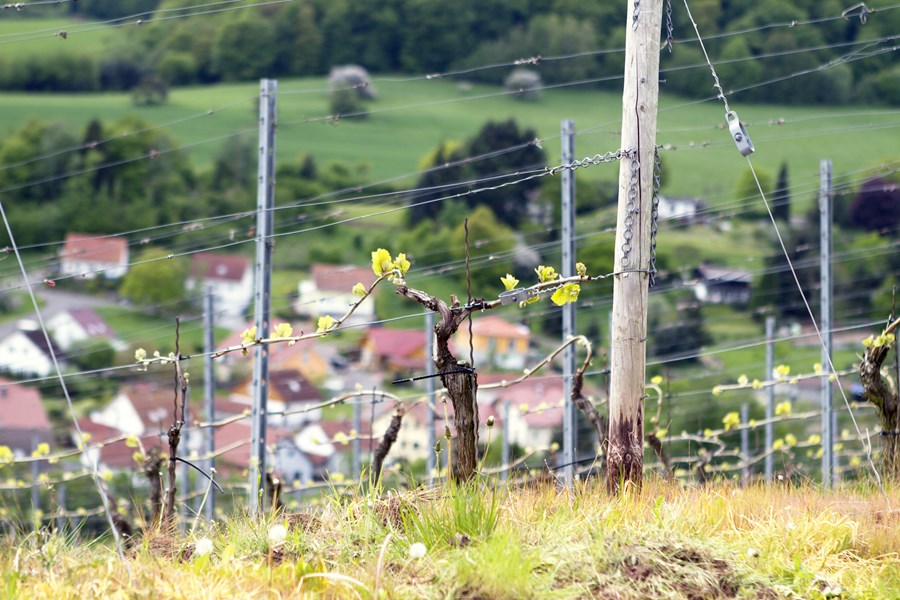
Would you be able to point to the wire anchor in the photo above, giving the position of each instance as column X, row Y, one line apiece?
column 739, row 134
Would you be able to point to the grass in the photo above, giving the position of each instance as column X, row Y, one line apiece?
column 411, row 117
column 662, row 542
column 136, row 328
column 41, row 36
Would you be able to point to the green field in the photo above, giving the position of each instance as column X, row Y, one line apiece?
column 22, row 36
column 409, row 118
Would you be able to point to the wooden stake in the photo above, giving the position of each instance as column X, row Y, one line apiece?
column 629, row 327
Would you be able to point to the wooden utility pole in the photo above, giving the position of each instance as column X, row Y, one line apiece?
column 628, row 353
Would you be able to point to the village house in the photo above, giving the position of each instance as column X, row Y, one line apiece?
column 536, row 411
column 341, row 434
column 25, row 352
column 23, row 420
column 142, row 409
column 496, row 342
column 328, row 291
column 85, row 255
column 395, row 351
column 114, row 456
column 77, row 325
column 288, row 459
column 289, row 390
column 722, row 285
column 230, row 277
column 681, row 209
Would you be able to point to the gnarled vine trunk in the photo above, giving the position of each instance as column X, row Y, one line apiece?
column 457, row 377
column 886, row 401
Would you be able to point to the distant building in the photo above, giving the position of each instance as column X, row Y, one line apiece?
column 289, row 390
column 91, row 255
column 139, row 409
column 722, row 285
column 230, row 277
column 686, row 210
column 23, row 420
column 312, row 358
column 328, row 291
column 25, row 352
column 394, row 350
column 76, row 325
column 496, row 342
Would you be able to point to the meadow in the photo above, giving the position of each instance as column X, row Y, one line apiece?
column 410, row 117
column 501, row 542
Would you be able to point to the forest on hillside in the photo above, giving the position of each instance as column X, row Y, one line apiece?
column 308, row 37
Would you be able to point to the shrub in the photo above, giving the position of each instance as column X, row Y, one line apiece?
column 353, row 78
column 525, row 84
column 350, row 86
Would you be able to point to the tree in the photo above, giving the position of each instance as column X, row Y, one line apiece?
column 781, row 200
column 238, row 51
column 91, row 354
column 676, row 327
column 877, row 205
column 510, row 204
column 155, row 283
column 747, row 192
column 440, row 170
column 488, row 239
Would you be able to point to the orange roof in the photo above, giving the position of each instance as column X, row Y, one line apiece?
column 106, row 249
column 495, row 327
column 340, row 278
column 21, row 407
column 395, row 343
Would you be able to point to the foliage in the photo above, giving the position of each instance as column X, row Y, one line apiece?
column 91, row 354
column 781, row 199
column 487, row 237
column 876, row 207
column 526, row 84
column 154, row 283
column 307, row 37
column 747, row 192
column 676, row 326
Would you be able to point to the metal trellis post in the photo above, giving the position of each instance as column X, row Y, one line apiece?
column 745, row 444
column 825, row 324
column 504, row 474
column 770, row 399
column 263, row 270
column 209, row 396
column 568, row 310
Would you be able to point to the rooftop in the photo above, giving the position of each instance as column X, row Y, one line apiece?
column 106, row 249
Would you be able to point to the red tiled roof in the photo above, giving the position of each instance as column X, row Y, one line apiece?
column 80, row 246
column 153, row 403
column 395, row 343
column 340, row 278
column 238, row 433
column 533, row 393
column 117, row 454
column 91, row 322
column 293, row 387
column 224, row 267
column 493, row 326
column 21, row 407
